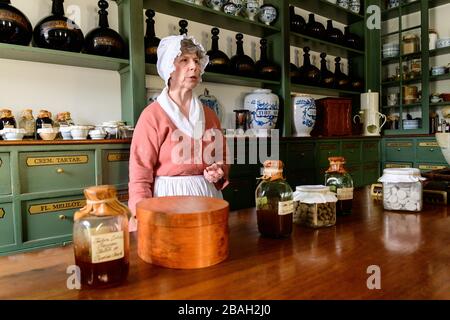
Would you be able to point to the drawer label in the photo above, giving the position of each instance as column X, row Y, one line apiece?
column 118, row 156
column 430, row 167
column 50, row 161
column 428, row 144
column 351, row 146
column 398, row 165
column 399, row 144
column 2, row 213
column 56, row 206
column 123, row 197
column 328, row 147
column 370, row 145
column 107, row 247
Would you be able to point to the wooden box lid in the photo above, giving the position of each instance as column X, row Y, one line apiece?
column 183, row 211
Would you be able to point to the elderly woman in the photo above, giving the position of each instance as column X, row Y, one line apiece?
column 176, row 133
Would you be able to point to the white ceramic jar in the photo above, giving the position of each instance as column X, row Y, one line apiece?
column 402, row 189
column 268, row 14
column 304, row 117
column 263, row 107
column 252, row 9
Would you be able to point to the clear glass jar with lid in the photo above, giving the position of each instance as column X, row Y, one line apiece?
column 274, row 204
column 411, row 44
column 402, row 189
column 315, row 206
column 101, row 238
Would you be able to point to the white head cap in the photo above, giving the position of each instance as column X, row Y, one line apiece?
column 169, row 49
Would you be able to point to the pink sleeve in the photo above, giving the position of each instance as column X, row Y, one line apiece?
column 143, row 158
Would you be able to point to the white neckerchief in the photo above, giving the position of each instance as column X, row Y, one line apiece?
column 193, row 127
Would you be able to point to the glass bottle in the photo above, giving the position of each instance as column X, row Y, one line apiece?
column 294, row 74
column 326, row 76
column 15, row 28
column 104, row 41
column 341, row 80
column 101, row 238
column 309, row 74
column 68, row 119
column 241, row 64
column 298, row 24
column 7, row 119
column 43, row 120
column 183, row 27
column 264, row 68
column 27, row 123
column 150, row 39
column 334, row 34
column 315, row 29
column 340, row 182
column 351, row 40
column 274, row 202
column 57, row 31
column 218, row 60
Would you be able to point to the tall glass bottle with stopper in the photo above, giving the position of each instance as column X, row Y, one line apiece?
column 101, row 238
column 274, row 202
column 340, row 182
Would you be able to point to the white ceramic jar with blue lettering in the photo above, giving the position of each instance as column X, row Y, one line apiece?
column 268, row 14
column 304, row 108
column 252, row 9
column 264, row 107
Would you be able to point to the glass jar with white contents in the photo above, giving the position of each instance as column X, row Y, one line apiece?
column 402, row 189
column 315, row 206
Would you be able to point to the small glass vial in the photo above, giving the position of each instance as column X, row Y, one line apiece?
column 27, row 123
column 314, row 206
column 341, row 183
column 274, row 202
column 402, row 189
column 101, row 238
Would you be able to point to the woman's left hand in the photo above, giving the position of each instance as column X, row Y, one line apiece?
column 214, row 172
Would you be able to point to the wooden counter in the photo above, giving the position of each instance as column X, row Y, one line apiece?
column 412, row 251
column 27, row 142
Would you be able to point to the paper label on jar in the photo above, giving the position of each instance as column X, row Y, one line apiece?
column 107, row 247
column 285, row 207
column 345, row 193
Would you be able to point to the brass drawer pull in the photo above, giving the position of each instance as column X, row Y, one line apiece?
column 62, row 217
column 398, row 149
column 60, row 170
column 431, row 150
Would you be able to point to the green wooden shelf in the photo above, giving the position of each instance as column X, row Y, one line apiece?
column 299, row 88
column 411, row 105
column 329, row 10
column 439, row 51
column 204, row 14
column 301, row 40
column 212, row 77
column 404, row 57
column 440, row 104
column 14, row 52
column 409, row 8
column 396, row 83
column 402, row 31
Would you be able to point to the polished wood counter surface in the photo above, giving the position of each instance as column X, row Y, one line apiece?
column 411, row 250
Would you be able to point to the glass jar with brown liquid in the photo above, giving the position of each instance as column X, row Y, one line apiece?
column 274, row 202
column 341, row 183
column 101, row 239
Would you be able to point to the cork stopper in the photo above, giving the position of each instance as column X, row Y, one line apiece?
column 101, row 201
column 5, row 113
column 273, row 170
column 336, row 165
column 44, row 114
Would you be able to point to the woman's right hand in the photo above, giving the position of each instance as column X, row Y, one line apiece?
column 214, row 172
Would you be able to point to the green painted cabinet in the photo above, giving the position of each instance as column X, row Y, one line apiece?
column 115, row 166
column 6, row 225
column 5, row 174
column 50, row 171
column 351, row 151
column 326, row 150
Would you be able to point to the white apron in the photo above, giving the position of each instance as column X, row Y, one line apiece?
column 185, row 186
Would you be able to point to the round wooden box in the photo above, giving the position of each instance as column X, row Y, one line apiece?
column 183, row 232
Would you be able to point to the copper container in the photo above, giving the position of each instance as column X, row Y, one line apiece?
column 183, row 232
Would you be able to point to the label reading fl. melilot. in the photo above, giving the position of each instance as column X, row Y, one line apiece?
column 345, row 193
column 107, row 247
column 285, row 207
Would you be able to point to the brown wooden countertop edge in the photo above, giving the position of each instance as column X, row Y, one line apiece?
column 62, row 142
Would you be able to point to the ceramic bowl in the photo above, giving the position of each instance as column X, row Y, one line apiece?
column 97, row 134
column 65, row 132
column 48, row 133
column 443, row 43
column 79, row 132
column 12, row 133
column 437, row 70
column 411, row 124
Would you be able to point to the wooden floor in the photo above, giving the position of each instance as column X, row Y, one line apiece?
column 412, row 252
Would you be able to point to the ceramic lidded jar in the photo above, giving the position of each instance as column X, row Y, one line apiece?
column 240, row 4
column 230, row 8
column 211, row 102
column 263, row 106
column 268, row 14
column 215, row 4
column 304, row 108
column 252, row 9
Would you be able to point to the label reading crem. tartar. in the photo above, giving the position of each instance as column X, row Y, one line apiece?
column 285, row 207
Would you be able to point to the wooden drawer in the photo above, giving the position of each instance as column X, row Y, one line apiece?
column 370, row 151
column 5, row 174
column 240, row 193
column 399, row 150
column 351, row 151
column 325, row 150
column 300, row 177
column 424, row 167
column 47, row 219
column 6, row 225
column 50, row 171
column 429, row 151
column 371, row 173
column 300, row 155
column 115, row 166
column 397, row 165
